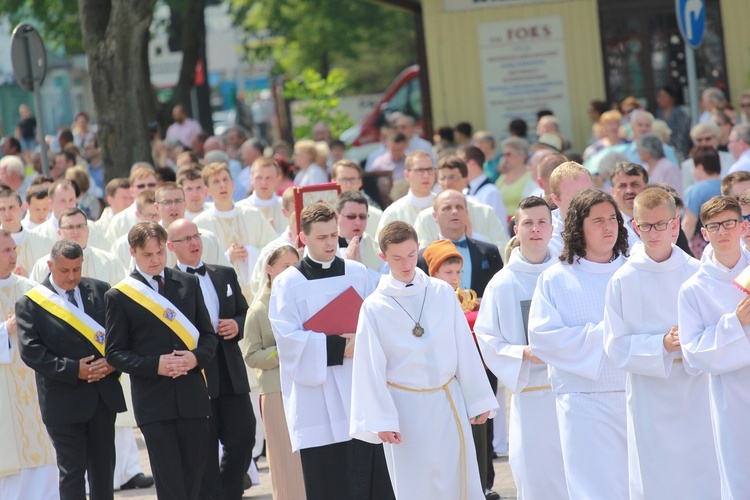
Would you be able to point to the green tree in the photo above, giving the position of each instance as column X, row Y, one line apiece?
column 372, row 41
column 114, row 35
column 322, row 99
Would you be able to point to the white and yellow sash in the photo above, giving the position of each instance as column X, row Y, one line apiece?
column 76, row 317
column 162, row 308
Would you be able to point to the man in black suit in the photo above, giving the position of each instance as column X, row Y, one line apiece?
column 232, row 419
column 159, row 331
column 481, row 260
column 61, row 337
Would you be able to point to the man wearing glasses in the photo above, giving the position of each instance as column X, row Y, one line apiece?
column 666, row 400
column 170, row 205
column 63, row 196
column 713, row 318
column 348, row 174
column 142, row 177
column 354, row 241
column 628, row 180
column 232, row 420
column 420, row 174
column 96, row 262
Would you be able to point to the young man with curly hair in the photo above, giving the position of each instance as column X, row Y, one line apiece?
column 565, row 330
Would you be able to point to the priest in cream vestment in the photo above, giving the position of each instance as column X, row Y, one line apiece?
column 243, row 231
column 27, row 459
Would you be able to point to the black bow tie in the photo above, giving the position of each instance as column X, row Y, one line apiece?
column 200, row 270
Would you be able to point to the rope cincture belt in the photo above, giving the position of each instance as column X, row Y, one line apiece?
column 462, row 442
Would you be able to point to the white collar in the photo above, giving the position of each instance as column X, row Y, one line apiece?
column 149, row 277
column 259, row 202
column 324, row 265
column 184, row 267
column 10, row 280
column 419, row 201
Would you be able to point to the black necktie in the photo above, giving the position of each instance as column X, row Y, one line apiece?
column 160, row 281
column 72, row 297
column 197, row 270
column 409, row 284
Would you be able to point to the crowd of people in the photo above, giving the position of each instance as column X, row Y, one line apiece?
column 195, row 301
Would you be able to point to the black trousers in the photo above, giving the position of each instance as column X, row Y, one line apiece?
column 352, row 470
column 86, row 447
column 232, row 422
column 177, row 452
column 491, row 437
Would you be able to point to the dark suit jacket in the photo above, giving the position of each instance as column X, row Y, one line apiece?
column 226, row 374
column 136, row 340
column 485, row 263
column 52, row 348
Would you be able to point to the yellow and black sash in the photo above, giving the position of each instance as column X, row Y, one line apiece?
column 162, row 309
column 76, row 317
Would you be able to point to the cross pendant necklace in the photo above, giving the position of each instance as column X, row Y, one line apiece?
column 417, row 331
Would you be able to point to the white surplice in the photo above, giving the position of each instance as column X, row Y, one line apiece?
column 428, row 462
column 566, row 330
column 242, row 225
column 121, row 223
column 317, row 397
column 270, row 208
column 713, row 341
column 48, row 230
column 534, row 453
column 669, row 420
column 556, row 243
column 405, row 209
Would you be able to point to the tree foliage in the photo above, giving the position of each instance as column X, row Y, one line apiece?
column 325, row 34
column 322, row 101
column 56, row 20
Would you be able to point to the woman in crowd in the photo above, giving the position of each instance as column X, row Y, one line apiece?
column 261, row 354
column 660, row 169
column 516, row 181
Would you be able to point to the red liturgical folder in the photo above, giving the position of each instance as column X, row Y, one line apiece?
column 339, row 316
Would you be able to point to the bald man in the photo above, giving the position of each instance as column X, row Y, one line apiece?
column 232, row 420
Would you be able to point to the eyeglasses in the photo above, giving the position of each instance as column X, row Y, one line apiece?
column 746, row 217
column 659, row 226
column 188, row 239
column 355, row 216
column 150, row 185
column 74, row 227
column 712, row 227
column 170, row 203
column 745, row 104
column 423, row 171
column 347, row 180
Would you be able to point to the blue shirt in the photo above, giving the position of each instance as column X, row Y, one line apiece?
column 699, row 193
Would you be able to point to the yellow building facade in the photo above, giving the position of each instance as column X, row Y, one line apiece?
column 491, row 59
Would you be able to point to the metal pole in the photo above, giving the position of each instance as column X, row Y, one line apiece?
column 38, row 106
column 692, row 83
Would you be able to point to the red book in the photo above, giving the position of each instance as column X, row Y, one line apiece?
column 339, row 316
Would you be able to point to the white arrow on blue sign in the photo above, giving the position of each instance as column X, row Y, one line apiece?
column 691, row 18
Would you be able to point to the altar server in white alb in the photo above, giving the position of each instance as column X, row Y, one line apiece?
column 241, row 230
column 668, row 415
column 265, row 179
column 714, row 315
column 566, row 326
column 316, row 369
column 418, row 379
column 534, row 450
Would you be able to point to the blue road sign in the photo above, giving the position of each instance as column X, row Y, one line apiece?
column 691, row 18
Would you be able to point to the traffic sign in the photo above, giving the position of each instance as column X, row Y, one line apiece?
column 28, row 57
column 691, row 18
